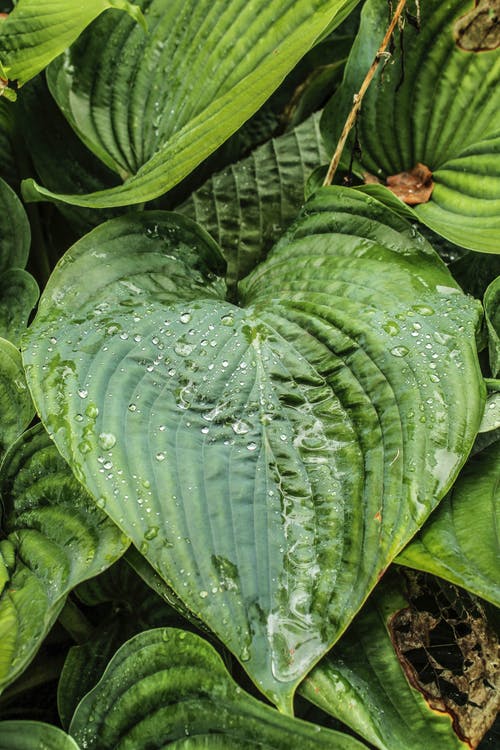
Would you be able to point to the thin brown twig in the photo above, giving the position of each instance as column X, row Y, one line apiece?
column 358, row 98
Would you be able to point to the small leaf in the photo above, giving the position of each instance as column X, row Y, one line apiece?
column 492, row 311
column 55, row 537
column 432, row 104
column 34, row 735
column 268, row 460
column 31, row 38
column 174, row 98
column 169, row 687
column 459, row 542
column 16, row 407
column 361, row 682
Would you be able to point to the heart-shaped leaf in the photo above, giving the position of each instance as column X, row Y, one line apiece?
column 34, row 735
column 172, row 686
column 153, row 106
column 459, row 542
column 16, row 407
column 361, row 682
column 268, row 460
column 31, row 37
column 432, row 104
column 54, row 538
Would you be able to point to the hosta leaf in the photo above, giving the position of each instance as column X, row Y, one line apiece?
column 167, row 685
column 436, row 105
column 34, row 735
column 459, row 542
column 153, row 106
column 492, row 310
column 268, row 460
column 361, row 682
column 248, row 205
column 54, row 537
column 16, row 407
column 9, row 169
column 31, row 37
column 18, row 289
column 491, row 416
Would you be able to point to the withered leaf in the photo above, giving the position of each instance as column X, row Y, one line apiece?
column 449, row 653
column 412, row 187
column 479, row 29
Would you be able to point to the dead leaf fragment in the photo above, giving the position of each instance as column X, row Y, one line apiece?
column 479, row 29
column 412, row 187
column 450, row 654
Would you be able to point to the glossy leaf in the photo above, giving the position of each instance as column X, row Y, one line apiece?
column 436, row 105
column 167, row 685
column 492, row 310
column 54, row 537
column 248, row 205
column 459, row 542
column 153, row 106
column 491, row 416
column 254, row 455
column 34, row 735
column 30, row 39
column 361, row 682
column 16, row 407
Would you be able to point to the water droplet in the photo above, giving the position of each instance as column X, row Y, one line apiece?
column 399, row 351
column 137, row 338
column 240, row 427
column 83, row 392
column 101, row 502
column 251, row 446
column 107, row 440
column 79, row 417
column 185, row 317
column 84, row 447
column 391, row 328
column 124, row 335
column 244, row 654
column 203, row 594
column 151, row 533
column 205, row 430
column 160, row 456
column 423, row 309
column 132, row 407
column 227, row 320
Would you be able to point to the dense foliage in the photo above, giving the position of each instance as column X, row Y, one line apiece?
column 249, row 423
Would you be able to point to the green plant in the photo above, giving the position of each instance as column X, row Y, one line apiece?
column 265, row 451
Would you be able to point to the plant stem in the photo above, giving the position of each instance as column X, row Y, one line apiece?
column 75, row 623
column 358, row 98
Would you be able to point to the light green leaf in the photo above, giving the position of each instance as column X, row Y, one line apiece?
column 459, row 542
column 361, row 682
column 16, row 407
column 491, row 416
column 433, row 104
column 248, row 205
column 171, row 685
column 34, row 735
column 54, row 537
column 31, row 36
column 153, row 106
column 492, row 311
column 268, row 460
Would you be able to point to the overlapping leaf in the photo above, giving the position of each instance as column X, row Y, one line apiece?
column 459, row 542
column 248, row 205
column 492, row 310
column 16, row 407
column 54, row 537
column 153, row 106
column 436, row 105
column 31, row 37
column 172, row 686
column 34, row 735
column 361, row 682
column 269, row 461
column 18, row 289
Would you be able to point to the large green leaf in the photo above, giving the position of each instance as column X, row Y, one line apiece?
column 492, row 310
column 248, row 205
column 18, row 289
column 31, row 37
column 167, row 685
column 54, row 537
column 16, row 407
column 269, row 461
column 153, row 106
column 459, row 542
column 361, row 682
column 433, row 104
column 33, row 735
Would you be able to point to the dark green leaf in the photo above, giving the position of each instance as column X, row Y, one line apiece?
column 492, row 310
column 153, row 106
column 459, row 542
column 432, row 104
column 16, row 407
column 168, row 687
column 54, row 537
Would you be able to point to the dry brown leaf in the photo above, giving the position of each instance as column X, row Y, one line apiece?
column 412, row 187
column 479, row 29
